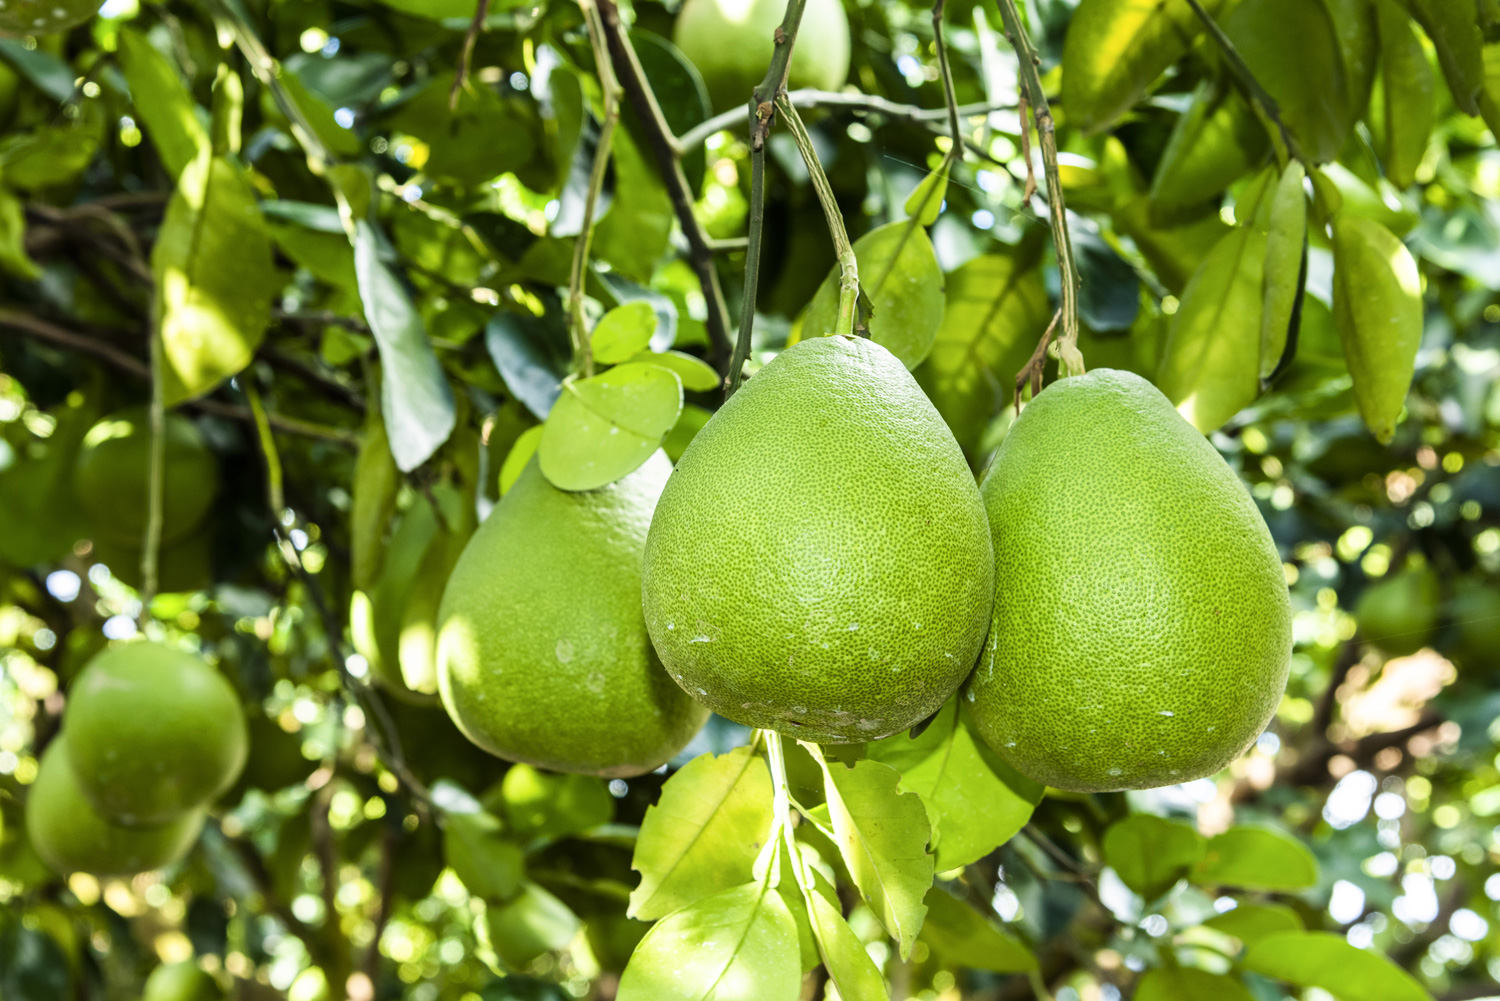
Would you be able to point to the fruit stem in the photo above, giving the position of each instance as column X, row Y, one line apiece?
column 155, row 466
column 583, row 352
column 843, row 249
column 776, row 755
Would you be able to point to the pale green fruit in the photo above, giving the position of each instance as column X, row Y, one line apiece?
column 731, row 42
column 111, row 481
column 1399, row 613
column 180, row 982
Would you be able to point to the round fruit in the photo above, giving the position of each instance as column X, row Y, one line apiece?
column 819, row 563
column 71, row 836
column 1142, row 631
column 154, row 732
column 180, row 982
column 1400, row 613
column 112, row 483
column 542, row 654
column 731, row 43
column 44, row 17
column 1475, row 613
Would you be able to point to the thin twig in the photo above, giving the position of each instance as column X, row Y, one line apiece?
column 40, row 329
column 842, row 248
column 950, row 95
column 461, row 78
column 1031, row 372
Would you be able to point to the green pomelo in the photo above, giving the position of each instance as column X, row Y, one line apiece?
column 542, row 654
column 180, row 982
column 819, row 563
column 1475, row 615
column 731, row 43
column 1142, row 631
column 1400, row 613
column 154, row 732
column 111, row 477
column 44, row 17
column 184, row 565
column 71, row 836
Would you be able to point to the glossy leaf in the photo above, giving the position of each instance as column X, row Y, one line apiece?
column 926, row 200
column 533, row 923
column 1286, row 242
column 1377, row 306
column 1210, row 366
column 697, row 375
column 1257, row 859
column 532, row 355
column 623, row 332
column 1151, row 854
column 703, row 833
column 735, row 945
column 974, row 801
column 46, row 72
column 849, row 965
column 489, row 865
column 899, row 272
column 604, row 427
column 414, row 395
column 1251, row 922
column 162, row 102
column 518, row 456
column 882, row 834
column 961, row 935
column 1322, row 959
column 1186, row 983
column 542, row 806
column 1407, row 109
column 617, row 290
column 1215, row 142
column 1453, row 26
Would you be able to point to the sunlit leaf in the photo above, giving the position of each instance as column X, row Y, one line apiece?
column 1252, row 922
column 542, row 806
column 1326, row 960
column 623, row 332
column 1215, row 142
column 1186, row 983
column 532, row 923
column 1286, row 242
column 518, row 456
column 1257, row 859
column 926, row 199
column 604, row 427
column 489, row 865
column 1150, row 854
column 1406, row 109
column 165, row 107
column 1453, row 26
column 961, row 935
column 849, row 965
column 376, row 482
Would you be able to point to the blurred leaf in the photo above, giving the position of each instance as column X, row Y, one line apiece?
column 1185, row 983
column 962, row 936
column 47, row 73
column 572, row 200
column 543, row 806
column 228, row 114
column 680, row 94
column 739, row 943
column 926, row 199
column 376, row 482
column 623, row 331
column 414, row 395
column 1109, row 298
column 849, row 965
column 697, row 375
column 13, row 256
column 50, row 156
column 691, row 421
column 633, row 236
column 485, row 136
column 1173, row 251
column 520, row 454
column 1216, row 141
column 1285, row 270
column 1322, row 959
column 533, row 923
column 438, row 10
column 1453, row 26
column 1151, row 854
column 1252, row 922
column 489, row 866
column 320, row 118
column 163, row 103
column 1257, row 859
column 1407, row 110
column 32, row 966
column 532, row 356
column 702, row 834
column 602, row 428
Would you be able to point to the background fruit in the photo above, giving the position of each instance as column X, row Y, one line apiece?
column 542, row 654
column 1142, row 629
column 154, row 732
column 180, row 982
column 44, row 17
column 71, row 836
column 731, row 41
column 110, row 477
column 1399, row 613
column 1475, row 615
column 819, row 563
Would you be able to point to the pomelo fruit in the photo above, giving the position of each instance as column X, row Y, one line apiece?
column 154, row 732
column 731, row 43
column 44, row 17
column 1142, row 630
column 1399, row 613
column 180, row 982
column 111, row 479
column 542, row 654
column 71, row 836
column 820, row 563
column 1475, row 616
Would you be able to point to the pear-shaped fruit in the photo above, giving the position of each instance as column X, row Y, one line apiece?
column 819, row 563
column 154, row 732
column 71, row 836
column 180, row 982
column 1400, row 613
column 1142, row 629
column 542, row 653
column 112, row 484
column 731, row 42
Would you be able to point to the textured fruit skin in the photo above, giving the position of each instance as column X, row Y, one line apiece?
column 1142, row 630
column 44, row 17
column 542, row 654
column 71, row 836
column 111, row 483
column 180, row 982
column 731, row 43
column 154, row 732
column 820, row 563
column 1399, row 613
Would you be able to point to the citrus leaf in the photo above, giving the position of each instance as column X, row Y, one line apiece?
column 882, row 834
column 1109, row 297
column 1326, row 960
column 1453, row 26
column 1211, row 363
column 376, row 482
column 604, row 427
column 486, row 863
column 1377, row 305
column 415, row 397
column 617, row 290
column 692, row 420
column 1407, row 109
column 519, row 455
column 926, row 199
column 849, row 965
column 215, row 278
column 623, row 331
column 1257, row 859
column 1252, row 922
column 1217, row 140
column 319, row 117
column 533, row 923
column 1286, row 243
column 162, row 103
column 542, row 806
column 899, row 272
column 703, row 833
column 961, row 935
column 1173, row 251
column 634, row 235
column 1184, row 983
column 46, row 72
column 1489, row 98
column 13, row 256
column 1150, row 854
column 532, row 356
column 739, row 943
column 697, row 375
column 1116, row 49
column 974, row 801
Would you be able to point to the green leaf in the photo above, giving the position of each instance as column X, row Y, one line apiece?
column 319, row 117
column 531, row 354
column 996, row 311
column 215, row 278
column 1407, row 109
column 1216, row 141
column 519, row 455
column 1326, row 960
column 734, row 945
column 376, row 483
column 1257, row 859
column 961, row 935
column 438, row 10
column 47, row 73
column 703, row 833
column 697, row 375
column 488, row 865
column 1377, row 306
column 926, row 199
column 162, row 103
column 974, row 801
column 541, row 806
column 1453, row 26
column 228, row 116
column 849, row 965
column 51, row 156
column 882, row 834
column 1251, row 922
column 533, row 923
column 604, row 427
column 13, row 257
column 1151, row 854
column 899, row 271
column 1174, row 252
column 1286, row 242
column 633, row 235
column 692, row 420
column 415, row 397
column 1116, row 49
column 1185, row 983
column 1210, row 367
column 623, row 332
